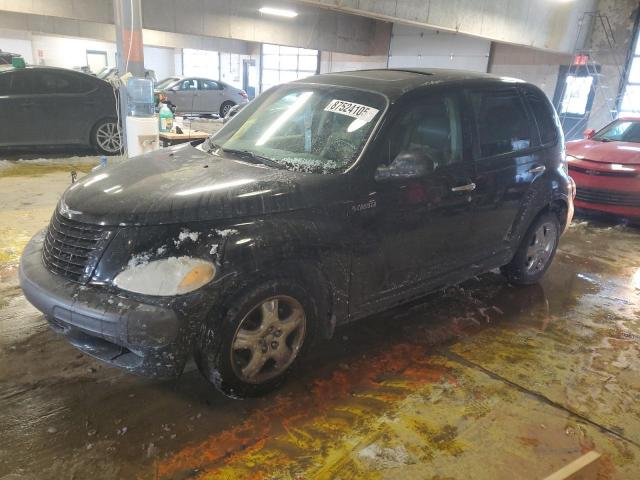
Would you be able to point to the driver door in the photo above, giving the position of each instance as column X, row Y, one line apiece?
column 419, row 232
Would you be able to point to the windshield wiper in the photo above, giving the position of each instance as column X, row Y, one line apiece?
column 253, row 157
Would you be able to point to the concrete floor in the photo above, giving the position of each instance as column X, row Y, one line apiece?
column 481, row 381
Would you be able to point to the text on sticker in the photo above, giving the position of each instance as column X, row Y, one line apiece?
column 354, row 110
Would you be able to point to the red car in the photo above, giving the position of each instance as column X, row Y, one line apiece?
column 606, row 168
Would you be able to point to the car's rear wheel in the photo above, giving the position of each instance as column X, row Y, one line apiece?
column 536, row 252
column 250, row 348
column 225, row 107
column 107, row 137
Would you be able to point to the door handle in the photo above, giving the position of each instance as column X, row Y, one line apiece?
column 465, row 188
column 538, row 169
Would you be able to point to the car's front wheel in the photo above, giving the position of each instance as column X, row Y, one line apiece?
column 250, row 348
column 107, row 137
column 536, row 251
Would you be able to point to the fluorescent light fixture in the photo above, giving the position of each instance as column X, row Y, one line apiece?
column 280, row 12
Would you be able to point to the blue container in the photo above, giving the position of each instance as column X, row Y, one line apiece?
column 140, row 93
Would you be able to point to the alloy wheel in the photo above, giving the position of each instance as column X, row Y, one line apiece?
column 109, row 138
column 541, row 247
column 268, row 339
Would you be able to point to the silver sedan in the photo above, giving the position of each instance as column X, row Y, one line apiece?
column 201, row 95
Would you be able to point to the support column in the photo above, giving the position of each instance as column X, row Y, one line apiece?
column 129, row 58
column 128, row 19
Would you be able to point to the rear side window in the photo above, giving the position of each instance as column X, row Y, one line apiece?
column 58, row 82
column 544, row 116
column 503, row 125
column 210, row 85
column 16, row 83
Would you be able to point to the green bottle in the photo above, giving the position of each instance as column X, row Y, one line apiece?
column 166, row 118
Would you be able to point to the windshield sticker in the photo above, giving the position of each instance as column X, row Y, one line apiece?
column 354, row 110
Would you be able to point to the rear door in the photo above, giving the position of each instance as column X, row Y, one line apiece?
column 18, row 119
column 64, row 106
column 210, row 96
column 508, row 159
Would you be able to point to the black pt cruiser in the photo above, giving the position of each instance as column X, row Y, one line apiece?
column 323, row 201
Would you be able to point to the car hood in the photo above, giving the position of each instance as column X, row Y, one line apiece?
column 184, row 184
column 606, row 152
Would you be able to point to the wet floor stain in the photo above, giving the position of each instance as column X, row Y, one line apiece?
column 481, row 381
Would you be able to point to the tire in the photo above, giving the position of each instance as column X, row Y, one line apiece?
column 106, row 137
column 536, row 252
column 238, row 348
column 225, row 107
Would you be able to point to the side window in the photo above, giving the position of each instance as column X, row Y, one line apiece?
column 503, row 125
column 544, row 115
column 6, row 82
column 54, row 82
column 188, row 84
column 209, row 85
column 432, row 127
column 16, row 83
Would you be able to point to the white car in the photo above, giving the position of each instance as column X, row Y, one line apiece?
column 200, row 95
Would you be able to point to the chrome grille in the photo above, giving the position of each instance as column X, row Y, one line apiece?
column 72, row 249
column 608, row 197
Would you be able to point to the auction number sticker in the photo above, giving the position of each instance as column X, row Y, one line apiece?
column 354, row 110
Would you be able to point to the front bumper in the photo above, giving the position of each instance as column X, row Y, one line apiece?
column 149, row 338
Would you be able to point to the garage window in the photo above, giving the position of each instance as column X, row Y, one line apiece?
column 285, row 64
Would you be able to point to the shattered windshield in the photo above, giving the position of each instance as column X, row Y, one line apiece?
column 305, row 128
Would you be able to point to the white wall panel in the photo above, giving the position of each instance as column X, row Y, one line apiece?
column 416, row 48
column 68, row 52
column 160, row 60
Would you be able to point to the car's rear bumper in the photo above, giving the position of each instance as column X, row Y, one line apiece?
column 145, row 338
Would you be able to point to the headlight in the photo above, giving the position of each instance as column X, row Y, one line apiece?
column 169, row 276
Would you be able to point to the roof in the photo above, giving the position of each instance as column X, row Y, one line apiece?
column 394, row 82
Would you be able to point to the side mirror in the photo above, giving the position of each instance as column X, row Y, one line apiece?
column 589, row 133
column 408, row 164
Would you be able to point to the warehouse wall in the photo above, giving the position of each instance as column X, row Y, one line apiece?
column 343, row 62
column 316, row 28
column 535, row 66
column 622, row 16
column 161, row 60
column 68, row 52
column 420, row 48
column 17, row 42
column 548, row 24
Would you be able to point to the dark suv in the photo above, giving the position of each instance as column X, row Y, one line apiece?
column 323, row 201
